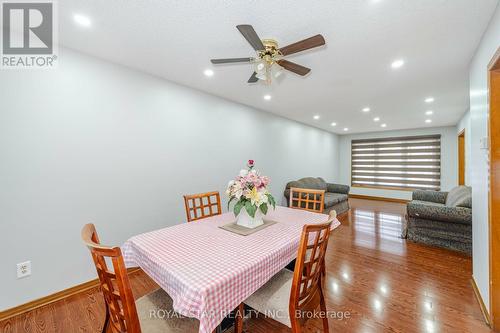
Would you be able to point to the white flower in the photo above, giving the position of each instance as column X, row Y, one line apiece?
column 263, row 196
column 238, row 193
column 243, row 172
column 234, row 190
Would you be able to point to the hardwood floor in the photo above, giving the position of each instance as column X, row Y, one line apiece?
column 385, row 283
column 80, row 313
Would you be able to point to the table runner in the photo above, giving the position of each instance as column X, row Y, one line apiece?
column 208, row 271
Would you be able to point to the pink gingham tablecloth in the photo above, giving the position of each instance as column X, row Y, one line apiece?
column 209, row 271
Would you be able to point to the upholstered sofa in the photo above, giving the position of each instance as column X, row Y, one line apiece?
column 441, row 218
column 336, row 195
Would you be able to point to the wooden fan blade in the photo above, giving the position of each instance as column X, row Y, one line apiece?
column 303, row 45
column 293, row 67
column 230, row 60
column 251, row 36
column 253, row 78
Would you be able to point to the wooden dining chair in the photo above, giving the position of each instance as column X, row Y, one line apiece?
column 202, row 205
column 299, row 292
column 307, row 199
column 123, row 315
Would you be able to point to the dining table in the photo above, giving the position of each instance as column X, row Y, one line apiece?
column 209, row 271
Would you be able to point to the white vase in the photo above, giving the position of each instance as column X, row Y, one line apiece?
column 247, row 221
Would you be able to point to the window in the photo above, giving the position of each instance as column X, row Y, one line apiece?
column 401, row 163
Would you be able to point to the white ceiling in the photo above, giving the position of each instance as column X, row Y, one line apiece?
column 175, row 39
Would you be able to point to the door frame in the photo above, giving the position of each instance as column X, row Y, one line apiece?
column 461, row 157
column 494, row 188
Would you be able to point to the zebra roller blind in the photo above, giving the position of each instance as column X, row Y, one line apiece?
column 412, row 162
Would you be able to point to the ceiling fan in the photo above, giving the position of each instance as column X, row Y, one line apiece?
column 269, row 61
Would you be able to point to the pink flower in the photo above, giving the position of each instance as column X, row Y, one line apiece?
column 250, row 163
column 265, row 181
column 251, row 177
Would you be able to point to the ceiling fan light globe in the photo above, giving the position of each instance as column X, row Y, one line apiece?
column 276, row 70
column 261, row 76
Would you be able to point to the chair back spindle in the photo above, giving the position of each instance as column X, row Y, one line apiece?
column 307, row 199
column 202, row 205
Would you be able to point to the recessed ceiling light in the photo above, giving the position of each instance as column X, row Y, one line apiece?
column 208, row 72
column 366, row 109
column 345, row 129
column 333, row 124
column 82, row 20
column 376, row 119
column 267, row 97
column 428, row 121
column 316, row 117
column 383, row 125
column 429, row 100
column 429, row 112
column 397, row 63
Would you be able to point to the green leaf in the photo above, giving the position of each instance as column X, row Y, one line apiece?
column 229, row 202
column 263, row 208
column 251, row 209
column 237, row 207
column 271, row 200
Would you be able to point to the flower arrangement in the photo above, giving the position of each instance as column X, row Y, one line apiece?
column 249, row 189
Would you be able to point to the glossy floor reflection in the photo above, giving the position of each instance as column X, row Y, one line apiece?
column 388, row 284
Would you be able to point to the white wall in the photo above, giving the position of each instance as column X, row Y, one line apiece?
column 449, row 171
column 96, row 142
column 464, row 124
column 479, row 157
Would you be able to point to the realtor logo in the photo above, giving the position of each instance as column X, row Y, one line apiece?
column 28, row 34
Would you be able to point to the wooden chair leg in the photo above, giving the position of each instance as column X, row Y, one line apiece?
column 295, row 325
column 322, row 307
column 238, row 319
column 106, row 320
column 323, row 271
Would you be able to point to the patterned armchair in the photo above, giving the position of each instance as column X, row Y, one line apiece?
column 441, row 218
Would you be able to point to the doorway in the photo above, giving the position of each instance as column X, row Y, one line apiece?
column 494, row 195
column 461, row 158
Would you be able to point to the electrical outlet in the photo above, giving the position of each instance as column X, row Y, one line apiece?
column 23, row 269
